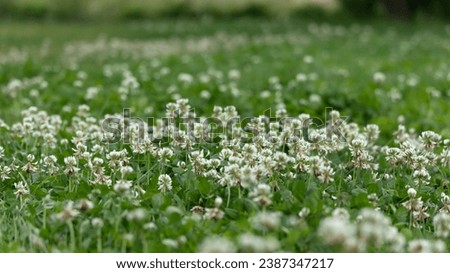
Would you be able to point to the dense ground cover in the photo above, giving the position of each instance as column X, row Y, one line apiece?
column 244, row 135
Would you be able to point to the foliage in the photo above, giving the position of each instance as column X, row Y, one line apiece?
column 398, row 8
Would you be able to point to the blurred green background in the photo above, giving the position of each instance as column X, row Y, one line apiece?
column 137, row 9
column 98, row 10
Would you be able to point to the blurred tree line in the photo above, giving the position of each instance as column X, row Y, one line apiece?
column 405, row 9
column 141, row 9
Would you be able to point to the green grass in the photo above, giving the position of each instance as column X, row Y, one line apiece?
column 51, row 67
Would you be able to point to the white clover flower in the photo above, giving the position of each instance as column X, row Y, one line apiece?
column 304, row 212
column 84, row 205
column 21, row 189
column 247, row 177
column 30, row 166
column 266, row 220
column 372, row 227
column 185, row 78
column 426, row 246
column 412, row 193
column 170, row 243
column 136, row 215
column 261, row 194
column 308, row 59
column 205, row 94
column 164, row 183
column 122, row 186
column 421, row 176
column 445, row 157
column 124, row 170
column 234, row 74
column 128, row 238
column 91, row 93
column 68, row 213
column 165, row 153
column 5, row 171
column 441, row 222
column 342, row 213
column 97, row 223
column 150, row 226
column 214, row 213
column 326, row 174
column 216, row 244
column 430, row 139
column 251, row 243
column 337, row 231
column 71, row 165
column 218, row 202
column 379, row 77
column 372, row 131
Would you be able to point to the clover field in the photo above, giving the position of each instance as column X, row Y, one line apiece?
column 244, row 135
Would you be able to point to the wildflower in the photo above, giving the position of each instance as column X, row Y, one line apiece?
column 266, row 220
column 30, row 166
column 37, row 242
column 394, row 156
column 170, row 243
column 412, row 193
column 128, row 238
column 445, row 199
column 326, row 174
column 50, row 164
column 218, row 202
column 420, row 215
column 21, row 189
column 415, row 206
column 374, row 230
column 373, row 198
column 5, row 171
column 122, row 187
column 379, row 77
column 247, row 177
column 71, row 165
column 337, row 231
column 341, row 212
column 445, row 157
column 150, row 226
column 85, row 205
column 215, row 213
column 372, row 131
column 164, row 154
column 421, row 176
column 97, row 223
column 251, row 243
column 430, row 139
column 261, row 194
column 91, row 92
column 304, row 212
column 441, row 222
column 198, row 210
column 101, row 178
column 136, row 215
column 216, row 244
column 124, row 170
column 164, row 183
column 426, row 246
column 68, row 212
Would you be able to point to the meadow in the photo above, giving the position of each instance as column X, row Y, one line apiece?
column 220, row 135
